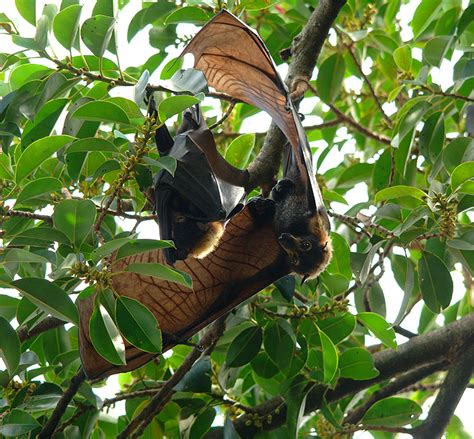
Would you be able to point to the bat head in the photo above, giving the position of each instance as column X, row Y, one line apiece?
column 307, row 254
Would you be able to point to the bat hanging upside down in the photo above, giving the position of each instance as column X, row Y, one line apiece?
column 236, row 62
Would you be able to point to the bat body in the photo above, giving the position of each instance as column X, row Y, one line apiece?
column 235, row 61
column 265, row 241
column 193, row 203
column 247, row 258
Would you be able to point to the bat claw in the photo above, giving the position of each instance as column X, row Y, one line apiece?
column 263, row 208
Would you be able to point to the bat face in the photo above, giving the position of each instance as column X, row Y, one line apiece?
column 302, row 234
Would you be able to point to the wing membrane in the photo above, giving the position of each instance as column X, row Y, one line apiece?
column 235, row 61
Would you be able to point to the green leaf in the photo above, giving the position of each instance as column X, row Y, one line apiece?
column 6, row 170
column 295, row 397
column 462, row 173
column 402, row 58
column 264, row 366
column 330, row 358
column 22, row 256
column 356, row 173
column 357, row 364
column 48, row 297
column 202, row 423
column 161, row 271
column 36, row 188
column 167, row 163
column 239, row 151
column 458, row 151
column 26, row 73
column 96, row 33
column 18, row 422
column 466, row 19
column 105, row 337
column 330, row 76
column 75, row 219
column 36, row 153
column 400, row 191
column 338, row 328
column 136, row 246
column 66, row 25
column 198, row 379
column 364, row 272
column 27, row 9
column 190, row 80
column 425, row 13
column 174, row 105
column 9, row 346
column 280, row 343
column 101, row 111
column 244, row 347
column 8, row 306
column 91, row 144
column 392, row 412
column 188, row 14
column 432, row 136
column 47, row 116
column 435, row 280
column 341, row 261
column 41, row 35
column 435, row 50
column 138, row 325
column 379, row 327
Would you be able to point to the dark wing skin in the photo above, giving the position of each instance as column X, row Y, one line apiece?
column 235, row 61
column 193, row 193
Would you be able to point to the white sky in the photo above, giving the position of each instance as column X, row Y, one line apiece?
column 139, row 51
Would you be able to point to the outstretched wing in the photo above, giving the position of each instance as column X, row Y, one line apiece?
column 235, row 61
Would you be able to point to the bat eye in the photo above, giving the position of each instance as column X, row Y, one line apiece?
column 306, row 245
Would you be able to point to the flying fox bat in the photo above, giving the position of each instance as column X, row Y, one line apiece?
column 236, row 62
column 193, row 203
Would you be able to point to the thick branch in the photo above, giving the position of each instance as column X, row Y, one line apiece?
column 448, row 397
column 53, row 421
column 392, row 388
column 156, row 404
column 433, row 347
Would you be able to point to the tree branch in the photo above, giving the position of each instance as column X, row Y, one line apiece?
column 451, row 391
column 426, row 349
column 44, row 325
column 156, row 404
column 392, row 388
column 50, row 426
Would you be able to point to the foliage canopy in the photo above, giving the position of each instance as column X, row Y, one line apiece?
column 383, row 114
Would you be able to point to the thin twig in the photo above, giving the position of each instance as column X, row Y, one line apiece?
column 156, row 404
column 446, row 95
column 44, row 325
column 350, row 47
column 226, row 114
column 351, row 122
column 48, row 429
column 29, row 215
